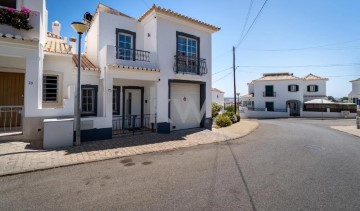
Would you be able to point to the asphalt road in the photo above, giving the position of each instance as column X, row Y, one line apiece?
column 290, row 164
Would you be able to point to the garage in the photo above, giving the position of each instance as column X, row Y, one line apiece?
column 185, row 106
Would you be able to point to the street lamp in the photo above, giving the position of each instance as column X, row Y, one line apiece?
column 80, row 28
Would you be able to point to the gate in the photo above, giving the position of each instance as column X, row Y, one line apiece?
column 10, row 119
column 134, row 124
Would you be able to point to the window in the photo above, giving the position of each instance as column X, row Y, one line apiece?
column 187, row 52
column 116, row 100
column 269, row 106
column 293, row 88
column 89, row 100
column 125, row 43
column 8, row 3
column 269, row 91
column 50, row 89
column 313, row 88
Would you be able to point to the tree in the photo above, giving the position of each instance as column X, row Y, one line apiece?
column 332, row 99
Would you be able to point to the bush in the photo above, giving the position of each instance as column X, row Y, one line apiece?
column 17, row 19
column 223, row 121
column 215, row 109
column 229, row 113
column 230, row 108
column 237, row 117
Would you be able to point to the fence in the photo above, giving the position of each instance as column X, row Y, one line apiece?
column 10, row 119
column 132, row 124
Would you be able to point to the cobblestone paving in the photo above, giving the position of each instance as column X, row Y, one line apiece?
column 18, row 157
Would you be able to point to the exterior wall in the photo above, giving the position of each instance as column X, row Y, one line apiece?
column 315, row 95
column 355, row 92
column 282, row 93
column 309, row 114
column 92, row 42
column 166, row 31
column 217, row 97
column 263, row 114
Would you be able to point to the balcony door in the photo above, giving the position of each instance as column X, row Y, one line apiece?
column 188, row 52
column 125, row 43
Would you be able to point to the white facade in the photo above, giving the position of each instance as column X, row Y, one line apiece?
column 354, row 95
column 217, row 96
column 283, row 92
column 115, row 85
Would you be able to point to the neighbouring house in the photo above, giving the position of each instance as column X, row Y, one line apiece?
column 150, row 73
column 217, row 96
column 355, row 91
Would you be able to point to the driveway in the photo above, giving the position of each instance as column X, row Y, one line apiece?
column 290, row 164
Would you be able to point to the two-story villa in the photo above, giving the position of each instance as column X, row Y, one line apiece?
column 281, row 91
column 149, row 73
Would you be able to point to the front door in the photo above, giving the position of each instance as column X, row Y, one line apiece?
column 11, row 100
column 133, row 106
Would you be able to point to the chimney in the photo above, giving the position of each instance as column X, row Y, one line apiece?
column 56, row 27
column 73, row 45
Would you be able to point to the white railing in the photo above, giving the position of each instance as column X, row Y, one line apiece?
column 11, row 119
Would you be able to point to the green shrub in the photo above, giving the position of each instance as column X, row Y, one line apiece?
column 223, row 121
column 237, row 117
column 215, row 109
column 230, row 108
column 229, row 113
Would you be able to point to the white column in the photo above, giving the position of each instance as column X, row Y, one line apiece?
column 33, row 84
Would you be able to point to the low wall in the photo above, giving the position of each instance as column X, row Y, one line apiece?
column 264, row 114
column 312, row 114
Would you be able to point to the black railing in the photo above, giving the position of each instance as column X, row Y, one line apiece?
column 269, row 94
column 256, row 109
column 190, row 65
column 131, row 124
column 134, row 55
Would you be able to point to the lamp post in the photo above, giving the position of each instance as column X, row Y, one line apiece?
column 80, row 28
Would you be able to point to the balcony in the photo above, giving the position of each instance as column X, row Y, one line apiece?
column 269, row 94
column 28, row 28
column 190, row 65
column 129, row 57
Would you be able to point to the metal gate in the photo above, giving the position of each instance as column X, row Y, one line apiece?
column 10, row 119
column 134, row 124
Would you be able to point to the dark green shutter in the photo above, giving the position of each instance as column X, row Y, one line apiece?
column 289, row 88
column 316, row 88
column 297, row 88
column 308, row 88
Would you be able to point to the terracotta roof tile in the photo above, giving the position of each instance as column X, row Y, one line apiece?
column 314, row 77
column 177, row 15
column 86, row 64
column 18, row 37
column 277, row 76
column 217, row 90
column 247, row 96
column 57, row 46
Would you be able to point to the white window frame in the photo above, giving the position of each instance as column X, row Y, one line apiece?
column 125, row 49
column 93, row 111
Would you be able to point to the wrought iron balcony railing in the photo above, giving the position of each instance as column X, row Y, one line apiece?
column 190, row 65
column 269, row 94
column 133, row 55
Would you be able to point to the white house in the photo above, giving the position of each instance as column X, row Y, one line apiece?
column 153, row 72
column 217, row 96
column 355, row 91
column 280, row 92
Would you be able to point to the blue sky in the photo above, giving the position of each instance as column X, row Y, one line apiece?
column 284, row 26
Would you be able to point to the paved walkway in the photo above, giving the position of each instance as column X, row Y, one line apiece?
column 348, row 129
column 20, row 157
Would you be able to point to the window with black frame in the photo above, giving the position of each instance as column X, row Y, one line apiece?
column 125, row 44
column 187, row 54
column 8, row 3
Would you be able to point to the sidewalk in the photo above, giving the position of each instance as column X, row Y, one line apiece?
column 19, row 157
column 348, row 129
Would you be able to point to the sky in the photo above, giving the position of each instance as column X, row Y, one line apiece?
column 321, row 37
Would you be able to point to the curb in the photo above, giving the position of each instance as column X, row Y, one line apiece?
column 123, row 156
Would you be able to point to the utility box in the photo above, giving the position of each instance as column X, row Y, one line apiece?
column 58, row 133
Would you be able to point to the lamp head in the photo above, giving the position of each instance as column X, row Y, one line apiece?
column 79, row 27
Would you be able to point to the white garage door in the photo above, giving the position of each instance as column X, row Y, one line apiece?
column 185, row 106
